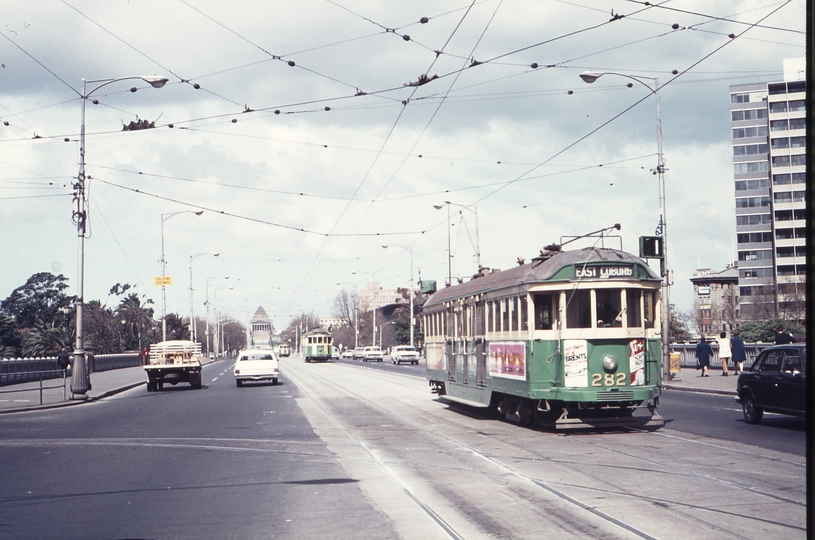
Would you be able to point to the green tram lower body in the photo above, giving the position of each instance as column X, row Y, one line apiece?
column 317, row 353
column 578, row 383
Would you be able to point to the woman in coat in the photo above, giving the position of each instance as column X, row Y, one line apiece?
column 703, row 353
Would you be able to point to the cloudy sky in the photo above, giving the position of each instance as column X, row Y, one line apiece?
column 312, row 132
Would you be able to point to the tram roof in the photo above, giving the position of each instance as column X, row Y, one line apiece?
column 538, row 271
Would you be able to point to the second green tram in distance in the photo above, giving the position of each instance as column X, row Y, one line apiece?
column 570, row 340
column 317, row 345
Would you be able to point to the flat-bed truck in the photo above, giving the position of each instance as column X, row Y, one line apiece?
column 173, row 362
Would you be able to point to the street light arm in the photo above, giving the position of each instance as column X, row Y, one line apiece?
column 155, row 82
column 591, row 76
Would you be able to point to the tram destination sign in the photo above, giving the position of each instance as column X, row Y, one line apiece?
column 604, row 272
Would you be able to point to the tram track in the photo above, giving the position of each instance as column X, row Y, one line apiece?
column 434, row 425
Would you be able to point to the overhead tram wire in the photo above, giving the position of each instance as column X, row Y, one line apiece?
column 624, row 111
column 376, row 158
column 254, row 220
column 721, row 19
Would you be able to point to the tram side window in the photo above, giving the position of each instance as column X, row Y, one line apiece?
column 524, row 312
column 648, row 303
column 480, row 325
column 609, row 310
column 505, row 314
column 513, row 313
column 545, row 309
column 578, row 309
column 632, row 307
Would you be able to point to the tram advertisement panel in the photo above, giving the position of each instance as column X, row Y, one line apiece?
column 576, row 363
column 508, row 360
column 435, row 356
column 636, row 360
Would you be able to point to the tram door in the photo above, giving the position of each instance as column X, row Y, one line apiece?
column 481, row 362
column 451, row 360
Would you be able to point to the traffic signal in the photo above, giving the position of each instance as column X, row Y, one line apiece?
column 651, row 247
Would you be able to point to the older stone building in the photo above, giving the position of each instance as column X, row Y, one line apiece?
column 716, row 300
column 261, row 330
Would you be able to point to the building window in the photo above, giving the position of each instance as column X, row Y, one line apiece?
column 752, row 202
column 799, row 178
column 754, row 219
column 754, row 238
column 755, row 255
column 748, row 114
column 781, row 161
column 800, row 251
column 799, row 196
column 758, row 131
column 798, row 123
column 778, row 107
column 800, row 232
column 779, row 125
column 751, row 167
column 750, row 150
column 781, row 179
column 796, row 86
column 783, row 197
column 783, row 252
column 745, row 291
column 786, row 270
column 799, row 159
column 797, row 105
column 777, row 88
column 753, row 273
column 784, row 234
column 780, row 143
column 800, row 213
column 798, row 142
column 783, row 215
column 739, row 98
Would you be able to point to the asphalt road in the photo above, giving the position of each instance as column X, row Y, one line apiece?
column 219, row 462
column 347, row 449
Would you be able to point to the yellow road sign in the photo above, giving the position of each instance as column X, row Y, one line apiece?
column 158, row 281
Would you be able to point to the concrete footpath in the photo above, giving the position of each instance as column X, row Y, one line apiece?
column 26, row 396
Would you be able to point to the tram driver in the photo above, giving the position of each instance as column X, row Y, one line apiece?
column 608, row 308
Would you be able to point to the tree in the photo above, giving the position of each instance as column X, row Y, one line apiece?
column 45, row 338
column 304, row 321
column 10, row 340
column 137, row 317
column 765, row 331
column 40, row 299
column 234, row 336
column 102, row 332
column 176, row 328
column 679, row 325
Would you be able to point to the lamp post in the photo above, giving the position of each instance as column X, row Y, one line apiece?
column 590, row 77
column 163, row 269
column 80, row 379
column 373, row 325
column 382, row 332
column 207, row 304
column 192, row 309
column 409, row 249
column 476, row 247
column 218, row 320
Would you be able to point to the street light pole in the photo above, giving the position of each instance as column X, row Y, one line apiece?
column 218, row 321
column 207, row 303
column 163, row 270
column 373, row 338
column 409, row 249
column 590, row 77
column 80, row 379
column 192, row 304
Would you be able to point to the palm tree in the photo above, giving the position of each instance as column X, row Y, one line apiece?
column 138, row 319
column 46, row 338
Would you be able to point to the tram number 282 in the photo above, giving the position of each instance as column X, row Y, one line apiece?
column 608, row 379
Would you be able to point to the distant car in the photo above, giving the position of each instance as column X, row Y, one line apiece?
column 372, row 354
column 256, row 365
column 212, row 355
column 776, row 382
column 347, row 353
column 335, row 352
column 359, row 353
column 404, row 353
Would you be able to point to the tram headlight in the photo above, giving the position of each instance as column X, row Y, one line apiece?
column 609, row 364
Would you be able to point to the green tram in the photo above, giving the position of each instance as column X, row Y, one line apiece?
column 317, row 345
column 569, row 340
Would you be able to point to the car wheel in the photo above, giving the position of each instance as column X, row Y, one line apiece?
column 752, row 412
column 149, row 387
column 274, row 382
column 238, row 383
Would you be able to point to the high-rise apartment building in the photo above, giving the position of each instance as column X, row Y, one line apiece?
column 769, row 161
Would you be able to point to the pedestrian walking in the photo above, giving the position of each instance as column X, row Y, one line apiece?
column 782, row 338
column 703, row 353
column 63, row 358
column 738, row 352
column 724, row 352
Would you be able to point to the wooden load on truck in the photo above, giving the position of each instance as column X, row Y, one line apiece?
column 173, row 362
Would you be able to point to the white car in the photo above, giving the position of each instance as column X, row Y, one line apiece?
column 404, row 353
column 335, row 352
column 372, row 354
column 348, row 353
column 256, row 365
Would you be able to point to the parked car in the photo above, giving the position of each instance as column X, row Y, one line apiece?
column 372, row 354
column 348, row 353
column 256, row 365
column 776, row 382
column 404, row 353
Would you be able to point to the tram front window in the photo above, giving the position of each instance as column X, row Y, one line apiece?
column 609, row 312
column 578, row 309
column 632, row 307
column 545, row 310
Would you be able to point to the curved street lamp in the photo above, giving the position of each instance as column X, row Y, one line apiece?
column 590, row 77
column 80, row 379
